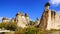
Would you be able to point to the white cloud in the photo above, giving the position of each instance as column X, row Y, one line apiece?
column 9, row 18
column 1, row 18
column 55, row 2
column 58, row 12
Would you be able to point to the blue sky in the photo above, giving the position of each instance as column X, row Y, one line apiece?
column 34, row 8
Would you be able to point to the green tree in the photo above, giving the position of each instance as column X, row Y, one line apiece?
column 3, row 25
column 32, row 22
column 8, row 26
column 33, row 30
column 12, row 26
column 29, row 30
column 20, row 31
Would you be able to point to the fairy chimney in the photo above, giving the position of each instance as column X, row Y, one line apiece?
column 22, row 19
column 5, row 19
column 37, row 21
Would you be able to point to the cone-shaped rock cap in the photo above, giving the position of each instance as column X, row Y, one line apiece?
column 47, row 4
column 26, row 14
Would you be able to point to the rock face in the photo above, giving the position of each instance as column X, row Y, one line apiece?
column 50, row 19
column 5, row 20
column 22, row 20
column 43, row 21
column 54, row 21
column 37, row 22
column 13, row 20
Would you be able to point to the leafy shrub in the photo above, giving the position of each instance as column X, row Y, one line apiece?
column 8, row 26
column 29, row 30
column 32, row 23
column 18, row 30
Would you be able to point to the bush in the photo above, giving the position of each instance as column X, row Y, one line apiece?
column 32, row 23
column 33, row 30
column 3, row 25
column 9, row 26
column 29, row 30
column 12, row 26
column 18, row 30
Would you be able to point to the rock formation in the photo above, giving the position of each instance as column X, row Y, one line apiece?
column 13, row 20
column 5, row 20
column 50, row 19
column 37, row 22
column 22, row 20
